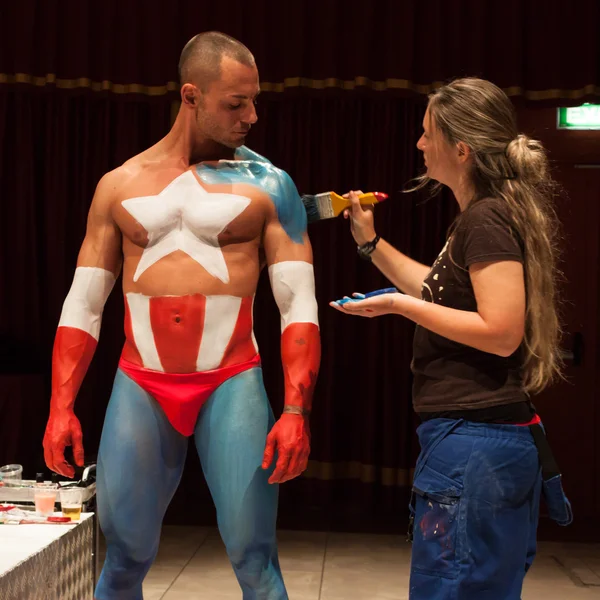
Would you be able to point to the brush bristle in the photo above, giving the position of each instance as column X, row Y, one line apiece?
column 318, row 206
column 312, row 210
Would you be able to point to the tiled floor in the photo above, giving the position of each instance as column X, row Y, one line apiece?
column 192, row 565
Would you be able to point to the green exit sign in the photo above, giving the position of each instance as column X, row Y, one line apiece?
column 579, row 117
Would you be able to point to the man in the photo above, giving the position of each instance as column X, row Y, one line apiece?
column 191, row 226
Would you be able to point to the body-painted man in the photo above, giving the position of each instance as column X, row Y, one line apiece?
column 191, row 221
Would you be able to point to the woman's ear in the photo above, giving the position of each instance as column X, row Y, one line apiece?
column 464, row 152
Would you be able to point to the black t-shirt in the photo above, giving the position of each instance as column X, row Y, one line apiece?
column 449, row 376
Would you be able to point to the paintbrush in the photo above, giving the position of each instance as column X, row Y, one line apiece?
column 329, row 205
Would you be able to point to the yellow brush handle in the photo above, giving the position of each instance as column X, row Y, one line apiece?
column 339, row 203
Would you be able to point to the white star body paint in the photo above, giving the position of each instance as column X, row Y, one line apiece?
column 186, row 217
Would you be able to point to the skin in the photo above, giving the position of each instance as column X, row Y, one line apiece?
column 213, row 120
column 498, row 326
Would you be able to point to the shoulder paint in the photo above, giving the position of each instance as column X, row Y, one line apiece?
column 245, row 153
column 262, row 174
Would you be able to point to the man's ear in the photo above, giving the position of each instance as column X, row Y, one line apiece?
column 189, row 95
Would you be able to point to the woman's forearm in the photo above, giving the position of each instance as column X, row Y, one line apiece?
column 404, row 272
column 460, row 326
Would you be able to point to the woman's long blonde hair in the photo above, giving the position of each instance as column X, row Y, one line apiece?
column 514, row 168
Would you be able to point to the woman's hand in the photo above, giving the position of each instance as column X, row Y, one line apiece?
column 361, row 220
column 376, row 306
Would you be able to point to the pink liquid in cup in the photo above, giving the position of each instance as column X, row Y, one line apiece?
column 44, row 502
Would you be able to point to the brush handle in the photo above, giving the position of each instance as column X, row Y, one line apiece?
column 359, row 297
column 390, row 290
column 372, row 197
column 339, row 203
column 367, row 199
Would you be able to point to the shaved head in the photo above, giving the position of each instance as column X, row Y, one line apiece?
column 200, row 61
column 219, row 86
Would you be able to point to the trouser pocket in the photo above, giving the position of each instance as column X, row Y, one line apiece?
column 435, row 510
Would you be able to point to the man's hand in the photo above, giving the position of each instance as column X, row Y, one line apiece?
column 290, row 438
column 63, row 430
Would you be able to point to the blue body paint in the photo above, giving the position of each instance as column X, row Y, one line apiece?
column 257, row 171
column 359, row 297
column 245, row 153
column 140, row 463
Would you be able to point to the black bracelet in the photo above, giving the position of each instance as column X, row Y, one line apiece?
column 367, row 249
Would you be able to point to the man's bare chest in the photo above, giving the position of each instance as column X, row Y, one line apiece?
column 156, row 210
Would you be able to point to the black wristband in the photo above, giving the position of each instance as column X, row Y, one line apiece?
column 296, row 410
column 367, row 249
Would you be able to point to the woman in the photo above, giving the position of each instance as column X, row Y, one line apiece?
column 486, row 337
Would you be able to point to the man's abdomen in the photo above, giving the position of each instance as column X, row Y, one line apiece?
column 187, row 334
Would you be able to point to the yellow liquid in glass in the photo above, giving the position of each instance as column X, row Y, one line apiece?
column 73, row 512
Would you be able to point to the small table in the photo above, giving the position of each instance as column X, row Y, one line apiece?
column 48, row 562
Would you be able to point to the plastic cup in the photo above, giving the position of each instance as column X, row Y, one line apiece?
column 71, row 500
column 44, row 496
column 11, row 472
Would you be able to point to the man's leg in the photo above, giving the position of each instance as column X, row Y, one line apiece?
column 230, row 438
column 140, row 463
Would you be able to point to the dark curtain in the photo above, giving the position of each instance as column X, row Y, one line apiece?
column 84, row 86
column 363, row 425
column 539, row 50
column 57, row 145
column 54, row 148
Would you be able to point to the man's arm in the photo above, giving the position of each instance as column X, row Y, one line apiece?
column 98, row 266
column 293, row 285
column 289, row 256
